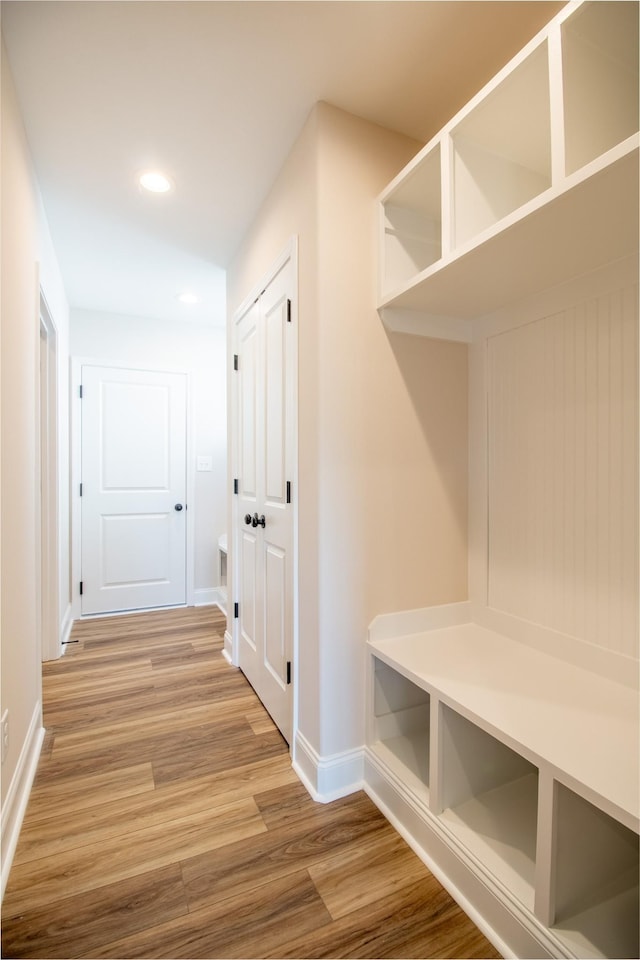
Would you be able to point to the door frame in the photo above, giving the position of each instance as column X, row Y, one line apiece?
column 75, row 406
column 289, row 253
column 47, row 497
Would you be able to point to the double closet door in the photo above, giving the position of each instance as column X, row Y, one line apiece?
column 264, row 370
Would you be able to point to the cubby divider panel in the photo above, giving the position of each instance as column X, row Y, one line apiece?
column 596, row 880
column 401, row 724
column 600, row 79
column 413, row 223
column 489, row 796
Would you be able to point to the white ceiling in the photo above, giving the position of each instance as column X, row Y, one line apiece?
column 215, row 93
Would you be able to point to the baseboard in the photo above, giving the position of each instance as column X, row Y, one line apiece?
column 207, row 596
column 15, row 805
column 327, row 778
column 227, row 650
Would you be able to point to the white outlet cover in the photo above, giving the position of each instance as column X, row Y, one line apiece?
column 204, row 464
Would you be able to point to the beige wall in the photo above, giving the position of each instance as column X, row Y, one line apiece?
column 382, row 421
column 27, row 260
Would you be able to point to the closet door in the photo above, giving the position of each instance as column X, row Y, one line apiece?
column 264, row 534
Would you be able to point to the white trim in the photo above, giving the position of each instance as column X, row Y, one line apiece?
column 327, row 778
column 227, row 651
column 15, row 805
column 208, row 596
column 75, row 444
column 49, row 487
column 66, row 625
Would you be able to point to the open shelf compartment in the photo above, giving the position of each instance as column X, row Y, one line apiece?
column 489, row 800
column 401, row 726
column 600, row 79
column 412, row 215
column 502, row 149
column 596, row 880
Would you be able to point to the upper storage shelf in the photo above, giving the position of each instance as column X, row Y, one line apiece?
column 533, row 183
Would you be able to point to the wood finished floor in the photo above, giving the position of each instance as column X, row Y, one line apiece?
column 165, row 821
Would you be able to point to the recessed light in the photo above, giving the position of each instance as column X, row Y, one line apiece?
column 155, row 182
column 189, row 298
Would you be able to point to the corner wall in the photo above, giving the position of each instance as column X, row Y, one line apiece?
column 382, row 448
column 28, row 264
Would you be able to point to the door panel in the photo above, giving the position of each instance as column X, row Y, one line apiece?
column 249, row 424
column 133, row 475
column 276, row 413
column 264, row 388
column 248, row 567
column 275, row 594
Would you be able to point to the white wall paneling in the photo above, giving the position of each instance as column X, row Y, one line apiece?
column 562, row 442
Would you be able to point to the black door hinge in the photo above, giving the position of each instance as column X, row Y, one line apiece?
column 80, row 392
column 81, row 585
column 288, row 311
column 80, row 489
column 288, row 491
column 288, row 671
column 235, row 486
column 236, row 611
column 235, row 361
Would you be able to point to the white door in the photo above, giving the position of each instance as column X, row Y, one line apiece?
column 133, row 489
column 264, row 381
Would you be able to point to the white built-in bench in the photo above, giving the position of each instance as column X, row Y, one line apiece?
column 523, row 765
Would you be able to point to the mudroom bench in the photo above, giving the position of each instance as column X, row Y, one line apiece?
column 514, row 774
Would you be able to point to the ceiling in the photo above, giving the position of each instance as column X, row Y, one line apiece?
column 215, row 92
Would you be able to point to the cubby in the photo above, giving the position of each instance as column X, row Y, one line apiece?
column 489, row 799
column 502, row 153
column 401, row 725
column 534, row 182
column 600, row 79
column 412, row 224
column 596, row 880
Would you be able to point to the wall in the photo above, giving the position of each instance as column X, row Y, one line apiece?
column 382, row 423
column 201, row 351
column 27, row 254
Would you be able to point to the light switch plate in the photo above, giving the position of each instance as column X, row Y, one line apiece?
column 204, row 464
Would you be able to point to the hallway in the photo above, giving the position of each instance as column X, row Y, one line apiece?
column 166, row 821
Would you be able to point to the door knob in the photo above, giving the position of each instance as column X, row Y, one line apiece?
column 247, row 519
column 178, row 507
column 258, row 521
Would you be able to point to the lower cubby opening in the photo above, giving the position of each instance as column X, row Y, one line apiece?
column 401, row 723
column 489, row 801
column 596, row 880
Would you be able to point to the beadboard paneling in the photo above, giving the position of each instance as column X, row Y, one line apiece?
column 562, row 436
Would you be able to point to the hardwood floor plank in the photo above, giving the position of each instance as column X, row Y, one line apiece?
column 358, row 875
column 62, row 799
column 420, row 921
column 127, row 815
column 295, row 843
column 38, row 882
column 77, row 925
column 237, row 927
